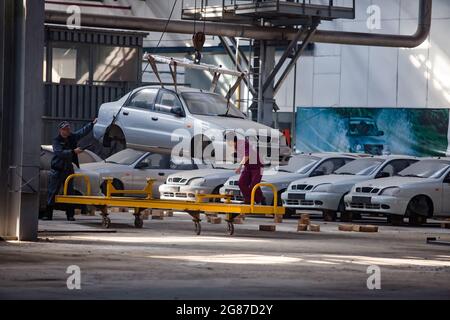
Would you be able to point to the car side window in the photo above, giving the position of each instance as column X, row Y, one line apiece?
column 182, row 166
column 143, row 99
column 330, row 165
column 155, row 161
column 395, row 166
column 166, row 102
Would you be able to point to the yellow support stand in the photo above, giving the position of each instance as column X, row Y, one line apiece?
column 192, row 208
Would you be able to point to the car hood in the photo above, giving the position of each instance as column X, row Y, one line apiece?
column 234, row 123
column 203, row 173
column 391, row 182
column 102, row 167
column 333, row 179
column 281, row 177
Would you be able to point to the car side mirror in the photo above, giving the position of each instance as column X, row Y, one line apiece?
column 178, row 111
column 141, row 166
column 382, row 175
column 317, row 173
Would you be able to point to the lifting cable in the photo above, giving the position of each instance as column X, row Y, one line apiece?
column 164, row 32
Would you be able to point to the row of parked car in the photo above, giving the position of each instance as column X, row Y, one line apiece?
column 338, row 185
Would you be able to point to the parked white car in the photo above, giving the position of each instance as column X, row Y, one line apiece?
column 300, row 166
column 185, row 185
column 419, row 192
column 327, row 193
column 130, row 170
column 157, row 119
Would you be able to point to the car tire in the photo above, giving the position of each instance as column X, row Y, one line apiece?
column 418, row 210
column 329, row 215
column 346, row 216
column 395, row 219
column 118, row 185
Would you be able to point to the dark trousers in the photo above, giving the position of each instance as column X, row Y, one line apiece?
column 55, row 182
column 248, row 180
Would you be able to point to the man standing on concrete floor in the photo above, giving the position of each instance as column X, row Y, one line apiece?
column 66, row 151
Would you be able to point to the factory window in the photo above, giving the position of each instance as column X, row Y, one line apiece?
column 70, row 63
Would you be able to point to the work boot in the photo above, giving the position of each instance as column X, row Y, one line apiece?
column 48, row 215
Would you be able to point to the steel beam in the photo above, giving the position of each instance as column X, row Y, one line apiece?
column 257, row 32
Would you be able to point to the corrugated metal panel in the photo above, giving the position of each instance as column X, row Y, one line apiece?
column 95, row 36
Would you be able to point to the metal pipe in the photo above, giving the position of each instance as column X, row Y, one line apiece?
column 256, row 32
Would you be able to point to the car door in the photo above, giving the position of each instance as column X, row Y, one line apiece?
column 154, row 166
column 136, row 118
column 167, row 121
column 445, row 195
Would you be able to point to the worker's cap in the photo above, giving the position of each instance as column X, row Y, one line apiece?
column 63, row 125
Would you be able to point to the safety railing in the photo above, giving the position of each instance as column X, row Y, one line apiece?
column 275, row 195
column 87, row 181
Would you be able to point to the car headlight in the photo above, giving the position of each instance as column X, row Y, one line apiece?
column 197, row 182
column 391, row 191
column 322, row 188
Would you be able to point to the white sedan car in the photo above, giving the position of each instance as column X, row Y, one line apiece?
column 300, row 166
column 419, row 192
column 185, row 185
column 327, row 193
column 130, row 170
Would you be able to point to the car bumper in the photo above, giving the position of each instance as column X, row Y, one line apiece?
column 312, row 201
column 181, row 193
column 378, row 204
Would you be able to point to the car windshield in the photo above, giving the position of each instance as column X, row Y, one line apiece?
column 225, row 165
column 360, row 167
column 299, row 164
column 426, row 169
column 209, row 104
column 125, row 157
column 363, row 127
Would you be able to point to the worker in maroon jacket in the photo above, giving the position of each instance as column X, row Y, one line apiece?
column 250, row 169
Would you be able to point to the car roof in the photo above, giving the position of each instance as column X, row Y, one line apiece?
column 180, row 89
column 435, row 158
column 325, row 154
column 392, row 157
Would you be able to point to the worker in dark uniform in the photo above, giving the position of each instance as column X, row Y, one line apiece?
column 66, row 153
column 250, row 169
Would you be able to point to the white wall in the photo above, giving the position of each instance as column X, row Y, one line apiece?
column 354, row 76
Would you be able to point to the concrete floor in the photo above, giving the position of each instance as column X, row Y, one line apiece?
column 166, row 261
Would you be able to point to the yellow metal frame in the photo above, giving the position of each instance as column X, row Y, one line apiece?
column 150, row 203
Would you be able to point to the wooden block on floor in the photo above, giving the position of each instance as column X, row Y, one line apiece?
column 356, row 228
column 346, row 227
column 157, row 217
column 124, row 209
column 305, row 216
column 314, row 227
column 270, row 228
column 168, row 213
column 242, row 217
column 302, row 227
column 157, row 212
column 77, row 212
column 216, row 220
column 238, row 220
column 368, row 228
column 91, row 212
column 114, row 210
column 304, row 221
column 278, row 218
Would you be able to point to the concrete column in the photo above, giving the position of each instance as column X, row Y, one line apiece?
column 22, row 102
column 266, row 99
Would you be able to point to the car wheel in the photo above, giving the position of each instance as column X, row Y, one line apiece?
column 114, row 140
column 329, row 215
column 118, row 185
column 346, row 216
column 216, row 191
column 419, row 208
column 395, row 219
